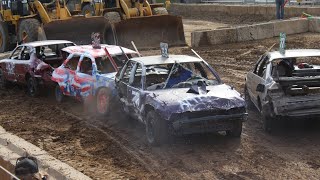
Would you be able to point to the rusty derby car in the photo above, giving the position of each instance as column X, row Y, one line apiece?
column 178, row 95
column 285, row 86
column 32, row 64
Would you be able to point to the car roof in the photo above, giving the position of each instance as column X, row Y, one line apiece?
column 294, row 53
column 113, row 50
column 153, row 60
column 46, row 43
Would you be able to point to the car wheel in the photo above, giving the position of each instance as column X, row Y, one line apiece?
column 267, row 123
column 28, row 30
column 58, row 94
column 32, row 87
column 156, row 129
column 88, row 10
column 4, row 37
column 267, row 119
column 236, row 129
column 103, row 101
column 3, row 81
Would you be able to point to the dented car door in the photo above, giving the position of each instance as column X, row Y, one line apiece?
column 256, row 80
column 11, row 63
column 135, row 89
column 83, row 82
column 22, row 65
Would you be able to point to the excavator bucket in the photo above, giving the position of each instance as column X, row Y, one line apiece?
column 76, row 29
column 147, row 32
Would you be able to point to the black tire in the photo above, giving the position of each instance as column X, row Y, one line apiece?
column 267, row 122
column 4, row 37
column 58, row 94
column 88, row 9
column 156, row 129
column 160, row 11
column 29, row 28
column 249, row 103
column 267, row 119
column 236, row 129
column 3, row 81
column 112, row 17
column 103, row 99
column 33, row 87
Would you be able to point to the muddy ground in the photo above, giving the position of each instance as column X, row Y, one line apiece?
column 115, row 147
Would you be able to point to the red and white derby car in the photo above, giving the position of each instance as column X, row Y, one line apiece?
column 88, row 73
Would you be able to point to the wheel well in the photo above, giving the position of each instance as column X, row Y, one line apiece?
column 102, row 87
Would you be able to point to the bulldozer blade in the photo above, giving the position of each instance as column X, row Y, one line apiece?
column 76, row 29
column 147, row 32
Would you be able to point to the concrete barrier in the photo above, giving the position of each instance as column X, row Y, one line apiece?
column 254, row 32
column 292, row 26
column 12, row 147
column 314, row 24
column 219, row 36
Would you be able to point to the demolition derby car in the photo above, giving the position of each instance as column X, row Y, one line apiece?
column 88, row 73
column 32, row 64
column 285, row 85
column 178, row 95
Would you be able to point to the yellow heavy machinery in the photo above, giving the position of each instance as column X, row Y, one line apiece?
column 24, row 21
column 134, row 20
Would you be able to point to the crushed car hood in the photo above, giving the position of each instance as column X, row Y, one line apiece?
column 178, row 100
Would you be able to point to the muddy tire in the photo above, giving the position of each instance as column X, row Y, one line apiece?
column 267, row 123
column 3, row 81
column 236, row 130
column 28, row 28
column 4, row 38
column 88, row 9
column 58, row 94
column 112, row 17
column 156, row 129
column 160, row 11
column 103, row 99
column 249, row 103
column 33, row 87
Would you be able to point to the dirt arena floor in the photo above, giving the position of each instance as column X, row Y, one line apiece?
column 115, row 147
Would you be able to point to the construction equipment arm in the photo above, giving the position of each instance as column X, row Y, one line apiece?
column 42, row 12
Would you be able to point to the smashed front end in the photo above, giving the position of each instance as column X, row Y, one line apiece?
column 207, row 121
column 187, row 113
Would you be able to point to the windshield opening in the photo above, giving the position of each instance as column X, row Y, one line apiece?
column 179, row 75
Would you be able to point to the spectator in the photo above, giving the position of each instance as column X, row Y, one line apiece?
column 280, row 9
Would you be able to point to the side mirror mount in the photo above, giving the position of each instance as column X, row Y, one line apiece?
column 260, row 88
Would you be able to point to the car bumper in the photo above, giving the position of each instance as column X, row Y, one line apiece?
column 297, row 106
column 207, row 124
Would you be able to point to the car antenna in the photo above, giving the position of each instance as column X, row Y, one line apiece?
column 170, row 73
column 270, row 48
column 124, row 53
column 135, row 48
column 197, row 54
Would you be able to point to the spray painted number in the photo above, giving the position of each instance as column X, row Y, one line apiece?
column 135, row 98
column 282, row 43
